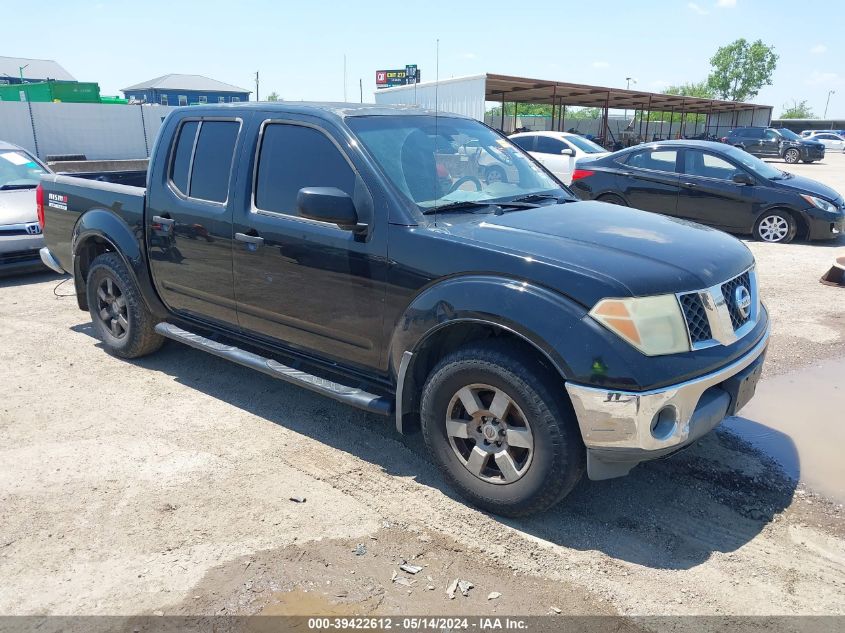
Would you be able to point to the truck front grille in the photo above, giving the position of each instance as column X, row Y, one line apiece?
column 729, row 292
column 697, row 324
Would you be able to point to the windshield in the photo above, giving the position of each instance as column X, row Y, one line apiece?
column 437, row 161
column 752, row 162
column 792, row 136
column 18, row 170
column 585, row 144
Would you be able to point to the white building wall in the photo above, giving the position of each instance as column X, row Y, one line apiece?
column 463, row 95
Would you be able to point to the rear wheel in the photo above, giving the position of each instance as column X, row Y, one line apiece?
column 500, row 431
column 775, row 227
column 120, row 316
column 612, row 198
column 792, row 156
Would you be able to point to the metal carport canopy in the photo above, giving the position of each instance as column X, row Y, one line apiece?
column 525, row 90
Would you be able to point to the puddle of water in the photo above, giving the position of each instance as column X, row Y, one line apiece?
column 799, row 420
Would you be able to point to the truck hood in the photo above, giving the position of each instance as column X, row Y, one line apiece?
column 591, row 250
column 17, row 206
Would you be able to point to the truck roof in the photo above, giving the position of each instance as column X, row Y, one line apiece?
column 338, row 110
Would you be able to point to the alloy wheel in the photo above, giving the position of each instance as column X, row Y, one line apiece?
column 111, row 308
column 773, row 228
column 489, row 434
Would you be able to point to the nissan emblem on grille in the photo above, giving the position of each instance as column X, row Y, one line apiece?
column 742, row 298
column 33, row 229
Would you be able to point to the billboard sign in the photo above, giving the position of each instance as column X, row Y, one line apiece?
column 398, row 77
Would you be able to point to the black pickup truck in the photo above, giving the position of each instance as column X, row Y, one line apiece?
column 360, row 252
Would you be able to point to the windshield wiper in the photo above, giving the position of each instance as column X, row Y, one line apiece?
column 531, row 197
column 11, row 187
column 479, row 204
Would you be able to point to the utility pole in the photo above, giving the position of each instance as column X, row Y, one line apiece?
column 20, row 70
column 361, row 88
column 827, row 103
column 257, row 97
column 628, row 81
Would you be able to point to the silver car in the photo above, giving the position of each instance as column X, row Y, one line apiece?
column 20, row 233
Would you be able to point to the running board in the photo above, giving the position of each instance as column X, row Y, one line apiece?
column 348, row 395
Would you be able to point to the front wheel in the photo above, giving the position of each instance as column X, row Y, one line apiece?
column 792, row 156
column 775, row 227
column 496, row 424
column 121, row 318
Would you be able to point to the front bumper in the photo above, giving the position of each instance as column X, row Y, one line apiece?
column 621, row 429
column 19, row 253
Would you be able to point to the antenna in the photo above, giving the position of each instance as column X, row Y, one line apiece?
column 436, row 106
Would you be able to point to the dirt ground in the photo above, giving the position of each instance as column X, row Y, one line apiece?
column 164, row 486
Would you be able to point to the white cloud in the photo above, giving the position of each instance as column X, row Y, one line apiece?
column 600, row 64
column 692, row 6
column 726, row 4
column 826, row 79
column 818, row 49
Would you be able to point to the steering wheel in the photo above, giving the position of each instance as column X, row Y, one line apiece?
column 457, row 184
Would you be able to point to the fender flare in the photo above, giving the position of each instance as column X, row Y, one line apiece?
column 540, row 317
column 105, row 225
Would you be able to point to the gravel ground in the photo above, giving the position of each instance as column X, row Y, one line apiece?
column 163, row 486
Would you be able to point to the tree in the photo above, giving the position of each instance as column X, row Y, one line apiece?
column 798, row 110
column 740, row 69
column 273, row 96
column 700, row 89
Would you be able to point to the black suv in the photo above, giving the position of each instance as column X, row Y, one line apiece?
column 771, row 142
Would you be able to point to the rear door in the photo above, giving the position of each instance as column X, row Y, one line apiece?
column 548, row 151
column 650, row 181
column 189, row 220
column 309, row 284
column 709, row 195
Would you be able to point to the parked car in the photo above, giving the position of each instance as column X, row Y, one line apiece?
column 529, row 335
column 805, row 133
column 20, row 233
column 832, row 142
column 769, row 142
column 558, row 151
column 714, row 184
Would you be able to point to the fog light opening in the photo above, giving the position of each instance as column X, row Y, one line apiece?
column 664, row 423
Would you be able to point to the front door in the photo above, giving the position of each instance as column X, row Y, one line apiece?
column 770, row 143
column 709, row 195
column 309, row 284
column 650, row 180
column 548, row 152
column 189, row 221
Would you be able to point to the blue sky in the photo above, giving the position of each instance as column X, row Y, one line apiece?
column 299, row 46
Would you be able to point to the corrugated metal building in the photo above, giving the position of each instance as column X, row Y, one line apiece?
column 11, row 69
column 183, row 90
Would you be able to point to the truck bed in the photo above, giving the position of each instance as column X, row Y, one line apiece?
column 66, row 198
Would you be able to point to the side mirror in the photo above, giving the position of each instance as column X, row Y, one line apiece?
column 567, row 152
column 742, row 179
column 327, row 204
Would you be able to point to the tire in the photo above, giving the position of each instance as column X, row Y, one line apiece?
column 775, row 227
column 121, row 318
column 612, row 198
column 792, row 156
column 541, row 451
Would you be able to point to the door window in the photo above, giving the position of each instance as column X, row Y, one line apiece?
column 771, row 135
column 524, row 142
column 549, row 145
column 207, row 178
column 656, row 160
column 698, row 163
column 292, row 157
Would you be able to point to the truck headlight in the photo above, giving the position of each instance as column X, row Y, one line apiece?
column 654, row 325
column 820, row 203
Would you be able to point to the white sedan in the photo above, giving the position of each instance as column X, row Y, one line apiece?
column 831, row 141
column 558, row 151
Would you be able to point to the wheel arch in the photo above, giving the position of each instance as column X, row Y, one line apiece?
column 801, row 222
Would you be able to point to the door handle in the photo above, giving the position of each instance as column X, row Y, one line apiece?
column 163, row 221
column 255, row 240
column 691, row 185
